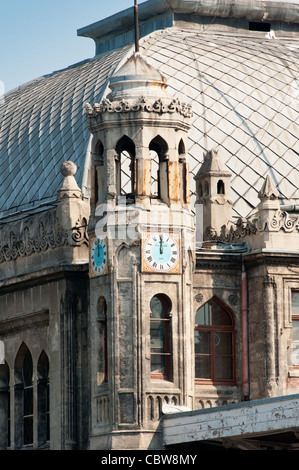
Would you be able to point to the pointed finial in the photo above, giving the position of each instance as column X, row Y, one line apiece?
column 268, row 190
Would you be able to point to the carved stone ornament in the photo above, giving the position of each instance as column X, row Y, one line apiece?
column 142, row 104
column 199, row 297
column 233, row 299
column 38, row 233
column 280, row 220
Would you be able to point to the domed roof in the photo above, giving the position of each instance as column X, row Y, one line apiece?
column 137, row 78
column 244, row 97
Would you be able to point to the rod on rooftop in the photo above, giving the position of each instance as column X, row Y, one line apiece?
column 136, row 27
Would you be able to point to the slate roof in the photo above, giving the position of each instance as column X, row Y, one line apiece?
column 244, row 94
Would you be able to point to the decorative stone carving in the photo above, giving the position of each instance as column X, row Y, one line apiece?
column 281, row 220
column 39, row 233
column 233, row 299
column 199, row 297
column 143, row 104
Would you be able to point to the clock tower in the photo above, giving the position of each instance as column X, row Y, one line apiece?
column 141, row 259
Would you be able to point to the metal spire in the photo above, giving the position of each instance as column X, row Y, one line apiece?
column 136, row 27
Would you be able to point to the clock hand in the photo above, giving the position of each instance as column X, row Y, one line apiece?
column 161, row 244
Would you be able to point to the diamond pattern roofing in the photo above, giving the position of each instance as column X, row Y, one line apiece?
column 244, row 96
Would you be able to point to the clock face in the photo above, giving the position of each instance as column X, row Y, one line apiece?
column 98, row 256
column 161, row 253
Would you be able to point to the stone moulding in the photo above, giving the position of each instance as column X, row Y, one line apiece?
column 142, row 104
column 281, row 221
column 39, row 233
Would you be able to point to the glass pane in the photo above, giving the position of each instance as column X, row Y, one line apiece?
column 221, row 317
column 157, row 335
column 158, row 363
column 295, row 328
column 157, row 308
column 28, row 430
column 203, row 367
column 223, row 366
column 223, row 343
column 204, row 315
column 295, row 303
column 202, row 342
column 295, row 343
column 27, row 369
column 28, row 401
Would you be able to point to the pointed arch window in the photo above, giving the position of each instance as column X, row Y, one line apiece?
column 27, row 376
column 182, row 151
column 159, row 154
column 126, row 167
column 295, row 329
column 214, row 342
column 160, row 336
column 98, row 164
column 103, row 341
column 220, row 187
column 43, row 391
column 4, row 407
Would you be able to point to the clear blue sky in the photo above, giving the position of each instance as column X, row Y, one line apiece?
column 38, row 37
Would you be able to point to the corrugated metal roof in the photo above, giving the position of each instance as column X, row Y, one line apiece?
column 244, row 95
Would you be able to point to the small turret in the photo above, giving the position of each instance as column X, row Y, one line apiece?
column 213, row 192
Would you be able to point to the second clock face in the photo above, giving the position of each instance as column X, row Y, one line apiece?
column 161, row 252
column 98, row 256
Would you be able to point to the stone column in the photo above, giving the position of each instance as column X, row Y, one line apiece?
column 269, row 334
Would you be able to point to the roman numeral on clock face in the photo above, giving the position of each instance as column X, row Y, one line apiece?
column 161, row 252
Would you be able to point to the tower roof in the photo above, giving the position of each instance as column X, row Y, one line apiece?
column 136, row 78
column 212, row 165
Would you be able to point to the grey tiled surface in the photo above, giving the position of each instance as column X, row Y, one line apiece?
column 42, row 124
column 243, row 90
column 244, row 93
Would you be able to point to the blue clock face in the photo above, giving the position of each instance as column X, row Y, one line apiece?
column 98, row 256
column 161, row 252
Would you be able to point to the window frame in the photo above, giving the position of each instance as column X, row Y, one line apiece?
column 294, row 317
column 167, row 329
column 213, row 329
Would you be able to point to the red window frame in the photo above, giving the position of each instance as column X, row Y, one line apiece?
column 295, row 317
column 213, row 329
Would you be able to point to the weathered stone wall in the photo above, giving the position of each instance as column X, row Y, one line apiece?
column 47, row 312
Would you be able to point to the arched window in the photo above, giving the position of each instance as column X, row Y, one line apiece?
column 155, row 172
column 23, row 398
column 125, row 167
column 220, row 187
column 295, row 329
column 4, row 407
column 158, row 151
column 160, row 334
column 214, row 344
column 43, row 392
column 182, row 150
column 98, row 164
column 103, row 341
column 27, row 372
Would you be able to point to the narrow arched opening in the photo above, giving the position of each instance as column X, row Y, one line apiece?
column 126, row 167
column 159, row 154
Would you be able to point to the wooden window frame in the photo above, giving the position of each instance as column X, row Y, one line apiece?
column 167, row 354
column 294, row 317
column 213, row 329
